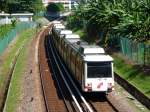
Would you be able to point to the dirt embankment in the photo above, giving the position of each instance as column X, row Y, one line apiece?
column 31, row 97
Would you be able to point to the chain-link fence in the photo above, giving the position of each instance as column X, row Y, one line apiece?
column 4, row 41
column 138, row 52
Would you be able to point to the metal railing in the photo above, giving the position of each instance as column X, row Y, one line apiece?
column 4, row 41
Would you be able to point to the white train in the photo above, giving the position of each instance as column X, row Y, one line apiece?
column 90, row 66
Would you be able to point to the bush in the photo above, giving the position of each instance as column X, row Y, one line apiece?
column 55, row 7
column 13, row 22
column 74, row 22
column 4, row 29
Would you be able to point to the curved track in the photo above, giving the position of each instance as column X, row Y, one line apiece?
column 56, row 93
column 48, row 84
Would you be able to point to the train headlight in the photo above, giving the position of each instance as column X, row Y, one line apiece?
column 89, row 84
column 88, row 87
column 110, row 86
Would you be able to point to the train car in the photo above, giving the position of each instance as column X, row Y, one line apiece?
column 56, row 28
column 89, row 65
column 57, row 22
column 58, row 39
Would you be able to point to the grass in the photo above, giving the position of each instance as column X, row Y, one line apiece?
column 4, row 29
column 15, row 89
column 133, row 74
column 24, row 37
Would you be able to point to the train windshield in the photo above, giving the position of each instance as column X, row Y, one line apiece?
column 99, row 69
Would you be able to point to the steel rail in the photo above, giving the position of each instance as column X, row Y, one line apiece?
column 81, row 96
column 39, row 64
column 72, row 95
column 60, row 89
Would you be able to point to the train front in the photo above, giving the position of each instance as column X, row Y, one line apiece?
column 99, row 75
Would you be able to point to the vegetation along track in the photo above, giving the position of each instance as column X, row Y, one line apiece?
column 58, row 96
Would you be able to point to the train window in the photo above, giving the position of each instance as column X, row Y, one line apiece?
column 99, row 69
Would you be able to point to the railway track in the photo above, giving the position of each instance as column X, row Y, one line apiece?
column 60, row 92
column 99, row 102
column 69, row 102
column 53, row 99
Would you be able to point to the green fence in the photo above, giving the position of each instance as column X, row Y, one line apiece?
column 13, row 33
column 138, row 52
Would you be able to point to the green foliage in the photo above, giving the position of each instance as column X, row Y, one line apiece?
column 130, row 18
column 132, row 74
column 3, row 6
column 13, row 6
column 74, row 21
column 14, row 22
column 4, row 29
column 38, row 6
column 55, row 7
column 13, row 97
column 15, row 89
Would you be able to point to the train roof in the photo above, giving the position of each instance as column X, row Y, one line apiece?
column 56, row 22
column 73, row 40
column 65, row 32
column 101, row 58
column 91, row 49
column 89, row 52
column 59, row 26
column 83, row 47
column 62, row 32
column 72, row 36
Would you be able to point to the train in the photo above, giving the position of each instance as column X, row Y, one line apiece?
column 90, row 66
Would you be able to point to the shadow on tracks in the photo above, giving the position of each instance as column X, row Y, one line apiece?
column 54, row 71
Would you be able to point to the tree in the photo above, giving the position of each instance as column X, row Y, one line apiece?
column 13, row 6
column 3, row 5
column 130, row 18
column 37, row 6
column 55, row 7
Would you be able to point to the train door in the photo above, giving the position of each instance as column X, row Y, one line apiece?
column 82, row 71
column 69, row 57
column 65, row 53
column 60, row 47
column 71, row 60
column 84, row 75
column 78, row 67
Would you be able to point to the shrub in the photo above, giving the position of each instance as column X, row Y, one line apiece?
column 13, row 22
